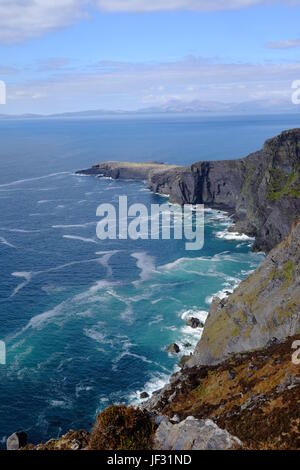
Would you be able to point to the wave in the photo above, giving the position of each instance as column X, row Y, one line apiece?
column 82, row 239
column 37, row 178
column 28, row 276
column 225, row 292
column 24, row 275
column 195, row 313
column 87, row 224
column 226, row 235
column 3, row 241
column 157, row 381
column 157, row 319
column 146, row 264
column 104, row 261
column 127, row 345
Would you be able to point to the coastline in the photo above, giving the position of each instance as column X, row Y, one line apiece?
column 160, row 379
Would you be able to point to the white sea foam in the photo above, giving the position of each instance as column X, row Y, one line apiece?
column 17, row 182
column 98, row 334
column 127, row 345
column 87, row 224
column 39, row 321
column 226, row 235
column 104, row 261
column 157, row 319
column 229, row 287
column 146, row 264
column 82, row 239
column 3, row 241
column 156, row 382
column 65, row 404
column 195, row 313
column 23, row 275
column 18, row 230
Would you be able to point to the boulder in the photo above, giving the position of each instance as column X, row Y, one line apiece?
column 194, row 434
column 183, row 361
column 174, row 348
column 16, row 441
column 194, row 322
column 144, row 395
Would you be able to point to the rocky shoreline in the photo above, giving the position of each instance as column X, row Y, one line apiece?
column 240, row 388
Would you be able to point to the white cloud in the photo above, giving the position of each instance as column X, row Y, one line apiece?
column 22, row 19
column 110, row 85
column 286, row 44
column 168, row 5
column 165, row 5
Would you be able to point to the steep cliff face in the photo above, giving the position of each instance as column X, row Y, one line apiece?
column 264, row 308
column 254, row 395
column 269, row 200
column 126, row 170
column 261, row 190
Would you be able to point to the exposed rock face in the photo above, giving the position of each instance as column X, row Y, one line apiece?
column 193, row 434
column 173, row 348
column 264, row 307
column 73, row 440
column 179, row 183
column 262, row 190
column 269, row 200
column 194, row 322
column 16, row 441
column 253, row 395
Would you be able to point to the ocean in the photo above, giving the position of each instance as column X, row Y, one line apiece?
column 87, row 322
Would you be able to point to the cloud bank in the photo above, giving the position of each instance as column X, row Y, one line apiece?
column 130, row 86
column 286, row 44
column 167, row 5
column 24, row 19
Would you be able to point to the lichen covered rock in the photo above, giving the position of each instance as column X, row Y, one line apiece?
column 193, row 434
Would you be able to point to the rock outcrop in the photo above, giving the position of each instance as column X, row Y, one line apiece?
column 193, row 434
column 255, row 396
column 261, row 190
column 264, row 308
column 126, row 170
column 16, row 441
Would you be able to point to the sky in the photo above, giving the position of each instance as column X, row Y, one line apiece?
column 73, row 55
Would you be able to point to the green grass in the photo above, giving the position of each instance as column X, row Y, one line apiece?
column 282, row 185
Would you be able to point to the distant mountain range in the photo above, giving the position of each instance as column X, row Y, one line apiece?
column 204, row 108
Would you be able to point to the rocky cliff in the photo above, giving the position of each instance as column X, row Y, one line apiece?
column 254, row 395
column 262, row 190
column 126, row 170
column 240, row 388
column 264, row 308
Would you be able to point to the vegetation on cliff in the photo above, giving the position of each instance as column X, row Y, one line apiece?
column 254, row 396
column 122, row 428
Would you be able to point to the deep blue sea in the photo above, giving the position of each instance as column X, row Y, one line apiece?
column 87, row 322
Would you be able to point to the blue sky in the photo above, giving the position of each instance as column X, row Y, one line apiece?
column 72, row 55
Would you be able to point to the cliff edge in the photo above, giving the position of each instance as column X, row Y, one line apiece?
column 261, row 190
